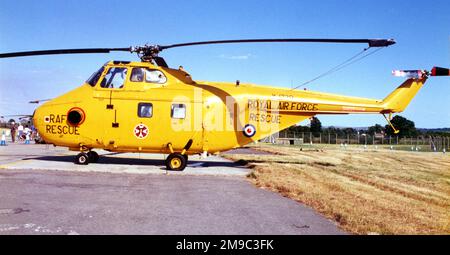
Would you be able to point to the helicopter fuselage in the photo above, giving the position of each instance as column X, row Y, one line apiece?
column 140, row 107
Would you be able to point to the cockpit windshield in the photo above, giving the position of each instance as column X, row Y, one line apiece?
column 95, row 77
column 115, row 78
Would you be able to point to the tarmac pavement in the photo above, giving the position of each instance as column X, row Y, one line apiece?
column 43, row 192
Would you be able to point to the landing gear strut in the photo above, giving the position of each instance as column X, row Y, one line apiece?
column 178, row 161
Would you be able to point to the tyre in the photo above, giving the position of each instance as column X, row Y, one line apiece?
column 176, row 161
column 93, row 156
column 82, row 159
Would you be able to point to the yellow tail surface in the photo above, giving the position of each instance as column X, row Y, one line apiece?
column 402, row 96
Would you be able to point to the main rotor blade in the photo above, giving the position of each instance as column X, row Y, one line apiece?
column 61, row 51
column 17, row 115
column 371, row 42
column 39, row 101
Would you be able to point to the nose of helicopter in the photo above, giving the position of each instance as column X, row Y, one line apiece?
column 38, row 121
column 58, row 124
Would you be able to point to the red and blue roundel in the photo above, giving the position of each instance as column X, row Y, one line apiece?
column 249, row 130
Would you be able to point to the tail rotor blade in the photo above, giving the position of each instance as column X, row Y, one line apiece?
column 440, row 71
column 415, row 74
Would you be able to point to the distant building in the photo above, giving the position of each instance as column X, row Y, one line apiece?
column 379, row 135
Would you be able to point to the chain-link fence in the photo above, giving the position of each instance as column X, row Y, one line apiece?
column 422, row 142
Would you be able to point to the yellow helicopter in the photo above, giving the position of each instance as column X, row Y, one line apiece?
column 148, row 107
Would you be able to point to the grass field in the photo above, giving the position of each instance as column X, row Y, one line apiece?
column 365, row 191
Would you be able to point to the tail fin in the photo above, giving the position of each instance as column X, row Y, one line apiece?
column 402, row 96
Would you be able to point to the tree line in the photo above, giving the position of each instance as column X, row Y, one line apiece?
column 406, row 127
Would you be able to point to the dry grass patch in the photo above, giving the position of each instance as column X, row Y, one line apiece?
column 387, row 192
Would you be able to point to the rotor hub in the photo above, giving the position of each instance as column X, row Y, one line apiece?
column 147, row 53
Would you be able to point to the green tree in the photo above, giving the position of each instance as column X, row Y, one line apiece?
column 349, row 131
column 316, row 125
column 298, row 129
column 406, row 127
column 330, row 129
column 375, row 129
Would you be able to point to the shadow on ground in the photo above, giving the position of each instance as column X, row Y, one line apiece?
column 136, row 161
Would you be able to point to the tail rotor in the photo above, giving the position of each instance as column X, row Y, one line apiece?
column 417, row 74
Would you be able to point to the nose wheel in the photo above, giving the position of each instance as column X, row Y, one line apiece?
column 82, row 159
column 176, row 161
column 86, row 158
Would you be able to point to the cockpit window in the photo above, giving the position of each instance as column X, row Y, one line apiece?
column 154, row 76
column 137, row 75
column 115, row 78
column 95, row 76
column 151, row 75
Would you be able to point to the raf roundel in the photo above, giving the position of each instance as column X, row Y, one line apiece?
column 249, row 130
column 141, row 131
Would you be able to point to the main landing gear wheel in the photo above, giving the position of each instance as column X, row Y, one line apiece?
column 176, row 161
column 93, row 156
column 82, row 159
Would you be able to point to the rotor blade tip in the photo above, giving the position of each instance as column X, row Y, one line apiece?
column 381, row 42
column 440, row 71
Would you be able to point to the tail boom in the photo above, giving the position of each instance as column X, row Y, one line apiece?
column 400, row 98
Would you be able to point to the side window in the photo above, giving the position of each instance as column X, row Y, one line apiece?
column 95, row 77
column 115, row 78
column 178, row 111
column 145, row 110
column 154, row 76
column 137, row 75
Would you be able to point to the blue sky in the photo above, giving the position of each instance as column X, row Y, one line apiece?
column 421, row 30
